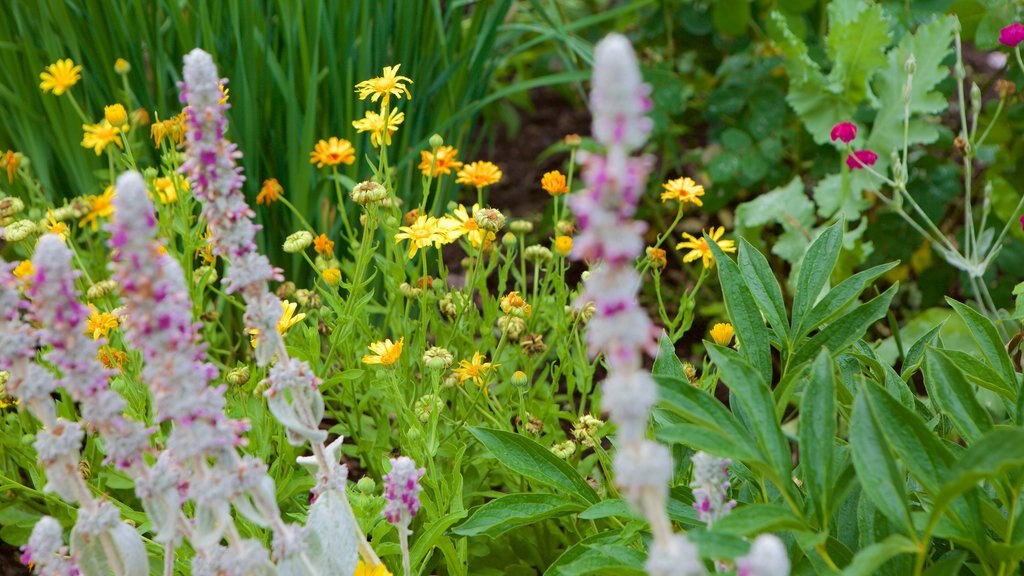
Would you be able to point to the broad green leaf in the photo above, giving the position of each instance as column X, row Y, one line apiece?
column 513, row 511
column 847, row 329
column 764, row 288
column 605, row 560
column 754, row 519
column 985, row 334
column 746, row 318
column 530, row 459
column 836, row 300
column 857, row 38
column 915, row 355
column 581, row 548
column 787, row 206
column 948, row 565
column 955, row 397
column 870, row 559
column 877, row 471
column 814, row 272
column 756, row 400
column 817, row 430
column 667, row 364
column 998, row 452
column 428, row 536
column 699, row 437
column 711, row 416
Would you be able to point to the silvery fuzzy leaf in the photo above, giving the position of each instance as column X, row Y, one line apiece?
column 127, row 545
column 297, row 431
column 332, row 526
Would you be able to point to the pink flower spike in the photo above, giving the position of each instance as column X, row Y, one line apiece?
column 861, row 158
column 1012, row 35
column 845, row 131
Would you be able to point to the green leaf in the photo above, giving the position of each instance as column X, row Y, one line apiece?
column 870, row 559
column 916, row 353
column 431, row 532
column 754, row 519
column 746, row 318
column 755, row 399
column 814, row 272
column 978, row 372
column 713, row 418
column 582, row 548
column 787, row 206
column 955, row 397
column 764, row 288
column 667, row 364
column 848, row 329
column 857, row 38
column 513, row 511
column 530, row 459
column 837, row 299
column 817, row 430
column 730, row 17
column 604, row 559
column 985, row 334
column 877, row 470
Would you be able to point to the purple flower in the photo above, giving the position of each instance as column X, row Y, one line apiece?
column 402, row 491
column 845, row 131
column 861, row 158
column 1012, row 35
column 711, row 487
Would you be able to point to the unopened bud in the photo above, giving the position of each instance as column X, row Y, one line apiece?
column 489, row 219
column 238, row 376
column 975, row 97
column 519, row 379
column 368, row 193
column 366, row 485
column 436, row 141
column 298, row 241
column 521, row 226
column 910, row 66
column 508, row 239
column 18, row 231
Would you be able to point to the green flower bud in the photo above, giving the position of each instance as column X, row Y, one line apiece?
column 238, row 376
column 366, row 485
column 521, row 226
column 436, row 141
column 437, row 358
column 18, row 231
column 509, row 240
column 298, row 241
column 519, row 379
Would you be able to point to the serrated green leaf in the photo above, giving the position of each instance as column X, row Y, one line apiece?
column 954, row 396
column 514, row 511
column 814, row 274
column 530, row 459
column 857, row 38
column 745, row 317
column 848, row 329
column 817, row 430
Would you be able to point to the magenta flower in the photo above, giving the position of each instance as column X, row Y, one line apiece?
column 861, row 158
column 845, row 131
column 1012, row 35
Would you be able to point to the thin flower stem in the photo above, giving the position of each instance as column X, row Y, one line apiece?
column 995, row 117
column 291, row 207
column 970, row 244
column 342, row 212
column 1002, row 234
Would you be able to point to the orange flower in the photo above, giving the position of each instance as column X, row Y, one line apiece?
column 323, row 245
column 269, row 192
column 443, row 161
column 479, row 174
column 554, row 183
column 332, row 152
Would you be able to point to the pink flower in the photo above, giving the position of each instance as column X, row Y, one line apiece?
column 1012, row 35
column 860, row 158
column 845, row 131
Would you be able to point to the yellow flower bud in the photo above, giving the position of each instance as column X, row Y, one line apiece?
column 115, row 114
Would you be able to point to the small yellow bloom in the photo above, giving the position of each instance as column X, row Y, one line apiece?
column 54, row 227
column 111, row 358
column 332, row 276
column 60, row 76
column 332, row 152
column 514, row 304
column 378, row 570
column 423, row 232
column 699, row 247
column 9, row 162
column 563, row 245
column 385, row 352
column 390, row 84
column 683, row 190
column 554, row 183
column 167, row 187
column 462, row 223
column 475, row 369
column 288, row 319
column 172, row 129
column 479, row 174
column 657, row 258
column 379, row 127
column 99, row 324
column 122, row 67
column 24, row 269
column 225, row 92
column 722, row 333
column 443, row 161
column 101, row 206
column 115, row 114
column 99, row 136
column 269, row 192
column 323, row 245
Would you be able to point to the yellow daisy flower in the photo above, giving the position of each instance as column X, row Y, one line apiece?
column 378, row 570
column 423, row 232
column 332, row 152
column 24, row 269
column 379, row 127
column 683, row 190
column 54, row 227
column 167, row 188
column 554, row 183
column 98, row 136
column 60, row 76
column 390, row 84
column 722, row 333
column 385, row 352
column 479, row 174
column 475, row 369
column 99, row 324
column 462, row 223
column 101, row 206
column 288, row 319
column 699, row 247
column 563, row 245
